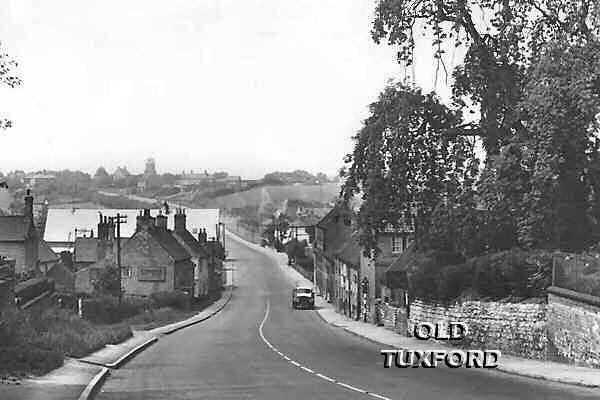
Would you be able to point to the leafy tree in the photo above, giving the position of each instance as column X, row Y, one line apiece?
column 407, row 159
column 9, row 78
column 108, row 282
column 499, row 37
column 530, row 77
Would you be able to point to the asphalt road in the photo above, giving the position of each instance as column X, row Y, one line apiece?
column 239, row 354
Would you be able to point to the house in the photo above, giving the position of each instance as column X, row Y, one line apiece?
column 19, row 238
column 217, row 276
column 61, row 224
column 392, row 242
column 37, row 179
column 327, row 233
column 200, row 254
column 47, row 258
column 5, row 198
column 7, row 282
column 346, row 261
column 91, row 256
column 120, row 174
column 233, row 182
column 153, row 260
column 90, row 250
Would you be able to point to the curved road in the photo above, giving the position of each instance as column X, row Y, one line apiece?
column 240, row 354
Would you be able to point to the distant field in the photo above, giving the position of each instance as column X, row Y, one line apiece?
column 277, row 195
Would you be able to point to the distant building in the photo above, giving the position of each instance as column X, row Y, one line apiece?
column 142, row 186
column 31, row 180
column 120, row 174
column 5, row 199
column 150, row 168
column 194, row 179
column 233, row 182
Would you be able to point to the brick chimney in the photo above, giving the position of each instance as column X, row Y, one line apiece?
column 101, row 228
column 110, row 229
column 28, row 211
column 161, row 220
column 202, row 236
column 144, row 220
column 180, row 220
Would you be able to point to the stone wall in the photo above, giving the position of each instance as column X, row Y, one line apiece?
column 514, row 328
column 574, row 326
column 393, row 318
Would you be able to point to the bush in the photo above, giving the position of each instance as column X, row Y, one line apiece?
column 108, row 310
column 37, row 342
column 175, row 299
column 443, row 278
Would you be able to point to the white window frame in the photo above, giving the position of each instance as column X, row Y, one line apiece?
column 397, row 245
column 125, row 272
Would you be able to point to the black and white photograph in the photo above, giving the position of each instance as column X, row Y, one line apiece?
column 281, row 200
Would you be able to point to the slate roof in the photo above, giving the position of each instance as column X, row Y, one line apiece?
column 45, row 253
column 168, row 242
column 348, row 249
column 13, row 228
column 86, row 249
column 185, row 237
column 61, row 223
column 329, row 218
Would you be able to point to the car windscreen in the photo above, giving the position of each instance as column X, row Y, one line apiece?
column 303, row 291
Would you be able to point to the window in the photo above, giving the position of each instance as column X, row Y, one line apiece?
column 397, row 244
column 125, row 272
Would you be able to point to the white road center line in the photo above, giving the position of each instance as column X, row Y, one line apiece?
column 324, row 377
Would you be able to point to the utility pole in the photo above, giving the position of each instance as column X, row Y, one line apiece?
column 119, row 219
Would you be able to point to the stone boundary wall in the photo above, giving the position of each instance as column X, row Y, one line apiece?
column 393, row 318
column 515, row 328
column 574, row 326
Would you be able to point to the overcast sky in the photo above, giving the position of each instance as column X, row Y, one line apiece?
column 244, row 86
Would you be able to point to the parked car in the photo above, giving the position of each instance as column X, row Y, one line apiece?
column 303, row 297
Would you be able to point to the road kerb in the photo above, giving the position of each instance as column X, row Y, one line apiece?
column 178, row 328
column 498, row 369
column 92, row 388
column 117, row 364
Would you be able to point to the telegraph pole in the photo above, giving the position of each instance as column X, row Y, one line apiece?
column 119, row 219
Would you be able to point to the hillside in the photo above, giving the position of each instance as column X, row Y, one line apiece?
column 275, row 195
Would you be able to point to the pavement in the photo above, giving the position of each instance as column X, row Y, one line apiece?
column 75, row 376
column 260, row 348
column 546, row 370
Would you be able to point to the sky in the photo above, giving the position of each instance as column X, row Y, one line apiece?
column 247, row 87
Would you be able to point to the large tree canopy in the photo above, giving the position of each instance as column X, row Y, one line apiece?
column 406, row 158
column 532, row 70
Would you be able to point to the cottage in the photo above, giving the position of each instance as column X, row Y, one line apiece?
column 19, row 238
column 346, row 256
column 327, row 238
column 199, row 253
column 153, row 260
column 92, row 255
column 392, row 243
column 7, row 282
